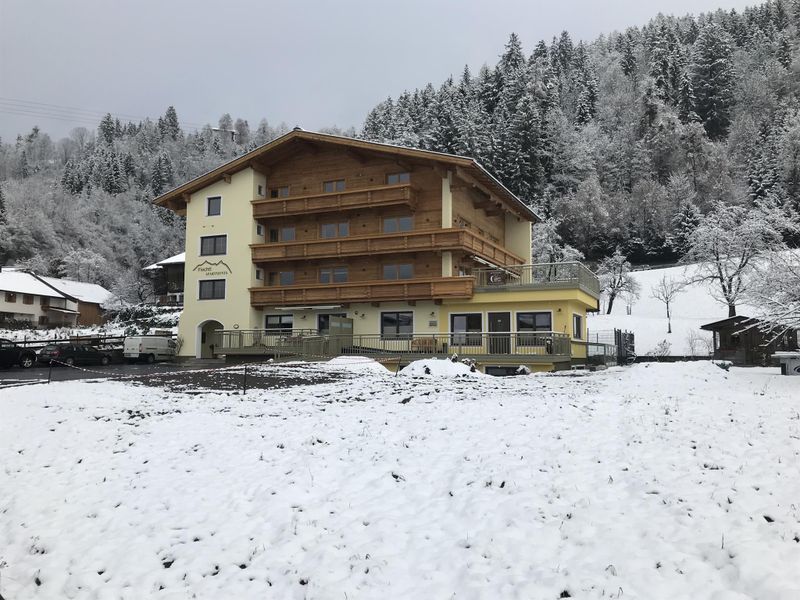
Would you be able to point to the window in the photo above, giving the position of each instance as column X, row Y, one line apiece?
column 404, row 271
column 279, row 192
column 324, row 322
column 284, row 234
column 281, row 323
column 212, row 289
column 577, row 327
column 260, row 190
column 214, row 206
column 530, row 322
column 259, row 229
column 333, row 230
column 397, row 178
column 336, row 185
column 397, row 325
column 11, row 297
column 286, row 277
column 333, row 275
column 213, row 244
column 466, row 329
column 259, row 274
column 27, row 298
column 395, row 224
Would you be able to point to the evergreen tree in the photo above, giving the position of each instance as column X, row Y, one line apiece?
column 172, row 128
column 686, row 100
column 3, row 217
column 107, row 129
column 713, row 79
column 683, row 225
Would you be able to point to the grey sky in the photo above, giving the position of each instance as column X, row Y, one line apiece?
column 311, row 64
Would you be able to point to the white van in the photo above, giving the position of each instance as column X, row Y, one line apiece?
column 149, row 348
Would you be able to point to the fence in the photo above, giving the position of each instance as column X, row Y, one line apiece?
column 308, row 343
column 610, row 347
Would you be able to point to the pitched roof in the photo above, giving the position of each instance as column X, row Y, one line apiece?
column 91, row 293
column 172, row 260
column 174, row 198
column 23, row 282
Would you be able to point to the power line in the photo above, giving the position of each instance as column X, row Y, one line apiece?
column 68, row 113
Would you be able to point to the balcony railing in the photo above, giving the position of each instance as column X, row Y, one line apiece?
column 374, row 197
column 432, row 240
column 541, row 346
column 540, row 276
column 364, row 291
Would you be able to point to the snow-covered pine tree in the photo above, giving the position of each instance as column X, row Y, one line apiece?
column 107, row 129
column 713, row 79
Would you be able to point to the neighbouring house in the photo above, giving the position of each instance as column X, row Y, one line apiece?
column 743, row 341
column 318, row 245
column 167, row 277
column 49, row 301
column 88, row 298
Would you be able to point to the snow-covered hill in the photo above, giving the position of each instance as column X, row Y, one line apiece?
column 693, row 307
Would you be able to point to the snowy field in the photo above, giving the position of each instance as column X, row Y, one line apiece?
column 660, row 481
column 692, row 308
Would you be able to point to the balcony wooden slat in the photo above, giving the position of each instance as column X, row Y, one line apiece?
column 434, row 240
column 374, row 197
column 360, row 291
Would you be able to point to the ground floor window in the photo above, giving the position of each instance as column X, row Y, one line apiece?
column 279, row 323
column 397, row 325
column 212, row 289
column 530, row 323
column 466, row 329
column 577, row 327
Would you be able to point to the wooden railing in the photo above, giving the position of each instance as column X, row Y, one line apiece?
column 543, row 345
column 364, row 291
column 374, row 197
column 387, row 243
column 539, row 276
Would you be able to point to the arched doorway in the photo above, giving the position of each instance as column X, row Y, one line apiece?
column 206, row 338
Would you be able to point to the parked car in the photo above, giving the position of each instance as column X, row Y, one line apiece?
column 149, row 348
column 12, row 354
column 73, row 354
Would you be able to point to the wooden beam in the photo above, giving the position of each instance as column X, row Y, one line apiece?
column 226, row 177
column 258, row 168
column 187, row 198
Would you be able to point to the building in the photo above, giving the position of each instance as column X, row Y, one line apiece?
column 743, row 341
column 315, row 244
column 167, row 276
column 49, row 301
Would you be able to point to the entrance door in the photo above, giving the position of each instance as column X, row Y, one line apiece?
column 206, row 339
column 499, row 333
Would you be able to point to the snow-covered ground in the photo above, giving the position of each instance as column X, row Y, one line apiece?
column 693, row 307
column 656, row 481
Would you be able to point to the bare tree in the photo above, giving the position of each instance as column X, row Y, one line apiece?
column 615, row 278
column 665, row 291
column 776, row 292
column 727, row 242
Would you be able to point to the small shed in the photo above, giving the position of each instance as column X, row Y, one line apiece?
column 746, row 341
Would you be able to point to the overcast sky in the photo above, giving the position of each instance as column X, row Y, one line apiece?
column 312, row 64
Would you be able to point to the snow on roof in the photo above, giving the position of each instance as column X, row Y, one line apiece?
column 22, row 282
column 80, row 290
column 172, row 260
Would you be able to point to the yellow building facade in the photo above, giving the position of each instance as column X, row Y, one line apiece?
column 412, row 252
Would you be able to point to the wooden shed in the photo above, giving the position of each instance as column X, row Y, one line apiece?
column 745, row 341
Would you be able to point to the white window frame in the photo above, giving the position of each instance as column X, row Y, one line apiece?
column 200, row 244
column 208, row 198
column 583, row 327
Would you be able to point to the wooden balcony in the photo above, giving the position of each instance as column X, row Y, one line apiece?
column 434, row 288
column 374, row 197
column 432, row 240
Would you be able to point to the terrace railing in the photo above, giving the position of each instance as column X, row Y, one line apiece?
column 539, row 276
column 310, row 344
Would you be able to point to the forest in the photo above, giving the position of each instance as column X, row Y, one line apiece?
column 622, row 143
